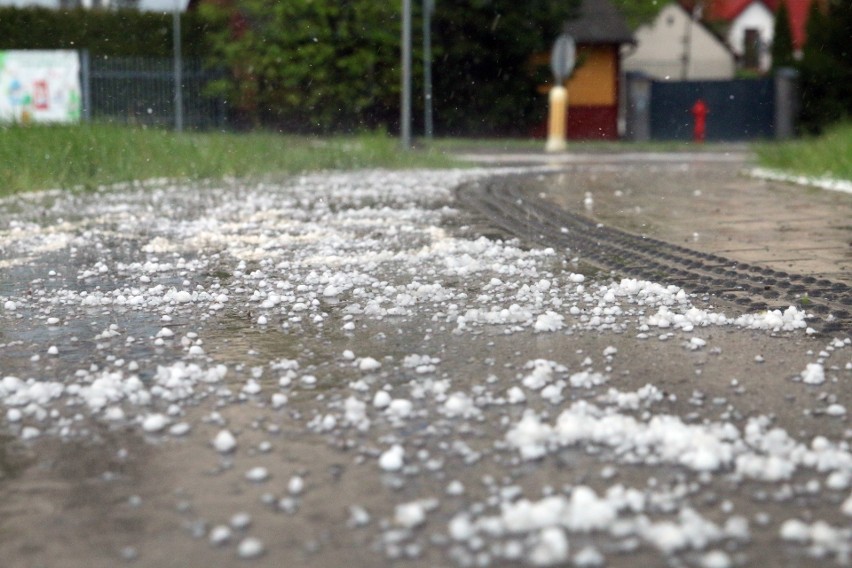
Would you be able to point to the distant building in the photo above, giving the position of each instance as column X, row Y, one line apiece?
column 677, row 46
column 748, row 26
column 593, row 90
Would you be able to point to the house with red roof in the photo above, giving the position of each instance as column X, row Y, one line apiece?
column 748, row 26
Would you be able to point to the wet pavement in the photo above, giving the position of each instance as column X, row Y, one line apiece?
column 403, row 391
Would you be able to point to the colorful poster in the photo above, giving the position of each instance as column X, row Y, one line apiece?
column 39, row 86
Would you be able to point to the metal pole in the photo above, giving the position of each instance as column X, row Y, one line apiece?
column 428, row 7
column 405, row 114
column 86, row 85
column 178, row 69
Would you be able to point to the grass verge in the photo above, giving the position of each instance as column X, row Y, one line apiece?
column 86, row 156
column 829, row 155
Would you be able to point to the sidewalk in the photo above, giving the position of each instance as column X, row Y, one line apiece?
column 702, row 200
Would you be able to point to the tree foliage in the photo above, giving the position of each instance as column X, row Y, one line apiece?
column 485, row 79
column 782, row 42
column 638, row 12
column 331, row 66
column 120, row 33
column 826, row 66
column 309, row 64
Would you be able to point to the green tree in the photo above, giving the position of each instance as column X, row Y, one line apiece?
column 638, row 12
column 309, row 64
column 826, row 66
column 782, row 42
column 330, row 66
column 484, row 72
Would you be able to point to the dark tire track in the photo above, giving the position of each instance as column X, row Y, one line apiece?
column 505, row 203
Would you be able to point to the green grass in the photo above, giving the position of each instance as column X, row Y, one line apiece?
column 72, row 157
column 829, row 155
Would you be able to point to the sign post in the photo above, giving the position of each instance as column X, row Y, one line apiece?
column 562, row 59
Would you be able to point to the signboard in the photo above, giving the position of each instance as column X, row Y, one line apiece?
column 39, row 86
column 562, row 57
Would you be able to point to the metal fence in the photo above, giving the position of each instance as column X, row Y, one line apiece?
column 134, row 90
column 739, row 109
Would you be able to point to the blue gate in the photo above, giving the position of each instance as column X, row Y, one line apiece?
column 740, row 109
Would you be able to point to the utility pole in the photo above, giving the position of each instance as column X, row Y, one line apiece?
column 428, row 8
column 405, row 103
column 178, row 67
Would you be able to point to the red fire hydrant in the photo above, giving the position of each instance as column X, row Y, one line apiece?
column 699, row 114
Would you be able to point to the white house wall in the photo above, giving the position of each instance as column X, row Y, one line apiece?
column 756, row 16
column 660, row 49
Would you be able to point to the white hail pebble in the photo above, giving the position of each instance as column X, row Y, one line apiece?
column 165, row 332
column 358, row 516
column 716, row 559
column 367, row 364
column 182, row 297
column 114, row 414
column 551, row 547
column 382, row 399
column 180, row 429
column 460, row 404
column 836, row 410
column 240, row 521
column 279, row 400
column 549, row 321
column 196, row 350
column 576, row 278
column 399, row 408
column 262, row 320
column 392, row 459
column 515, row 395
column 795, row 530
column 53, row 350
column 257, row 474
column 296, row 485
column 410, row 515
column 224, row 442
column 154, row 422
column 589, row 556
column 846, row 508
column 219, row 535
column 814, row 374
column 10, row 306
column 250, row 547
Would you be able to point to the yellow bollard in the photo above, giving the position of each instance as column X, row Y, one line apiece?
column 557, row 120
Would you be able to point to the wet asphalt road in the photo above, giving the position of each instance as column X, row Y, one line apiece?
column 291, row 307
